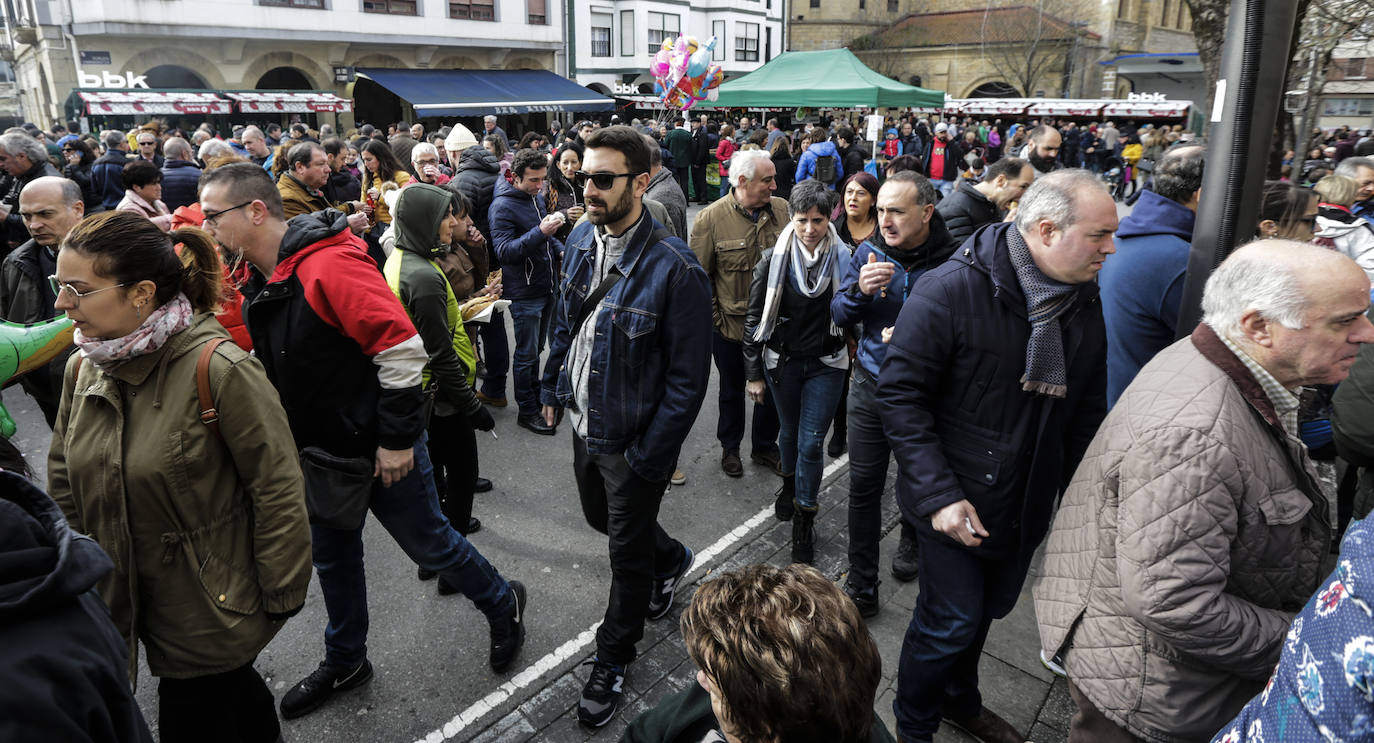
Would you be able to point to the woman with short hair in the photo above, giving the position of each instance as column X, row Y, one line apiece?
column 143, row 193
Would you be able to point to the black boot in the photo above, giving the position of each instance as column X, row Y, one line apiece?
column 782, row 505
column 804, row 535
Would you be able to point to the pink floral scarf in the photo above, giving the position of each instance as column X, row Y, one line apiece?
column 164, row 322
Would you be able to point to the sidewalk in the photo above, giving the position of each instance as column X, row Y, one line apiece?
column 1014, row 683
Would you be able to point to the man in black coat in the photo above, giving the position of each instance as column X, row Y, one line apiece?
column 973, row 205
column 180, row 176
column 988, row 415
column 25, row 159
column 701, row 155
column 64, row 663
column 851, row 155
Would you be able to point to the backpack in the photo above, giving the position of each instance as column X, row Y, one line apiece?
column 825, row 169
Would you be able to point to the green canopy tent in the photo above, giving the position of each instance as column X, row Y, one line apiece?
column 832, row 78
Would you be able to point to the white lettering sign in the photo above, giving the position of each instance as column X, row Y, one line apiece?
column 110, row 80
column 1146, row 97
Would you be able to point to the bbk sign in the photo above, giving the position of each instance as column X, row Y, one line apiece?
column 110, row 80
column 1146, row 97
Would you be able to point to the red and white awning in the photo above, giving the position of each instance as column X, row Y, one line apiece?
column 300, row 101
column 134, row 102
column 987, row 106
column 1147, row 109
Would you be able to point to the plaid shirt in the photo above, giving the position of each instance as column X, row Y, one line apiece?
column 1285, row 402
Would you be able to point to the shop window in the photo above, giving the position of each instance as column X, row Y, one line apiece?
column 601, row 34
column 1348, row 107
column 390, row 7
column 471, row 10
column 746, row 42
column 661, row 26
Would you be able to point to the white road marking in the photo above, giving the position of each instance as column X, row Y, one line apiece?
column 578, row 645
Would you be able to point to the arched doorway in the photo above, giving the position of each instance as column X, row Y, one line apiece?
column 284, row 78
column 995, row 89
column 601, row 88
column 174, row 76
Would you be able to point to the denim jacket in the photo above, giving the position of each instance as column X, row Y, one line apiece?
column 650, row 361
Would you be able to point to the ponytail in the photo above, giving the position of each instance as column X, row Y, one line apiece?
column 203, row 274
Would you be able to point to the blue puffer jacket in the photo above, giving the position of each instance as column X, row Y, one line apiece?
column 1142, row 286
column 180, row 179
column 851, row 307
column 806, row 166
column 529, row 259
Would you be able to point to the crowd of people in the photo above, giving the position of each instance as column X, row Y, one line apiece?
column 960, row 298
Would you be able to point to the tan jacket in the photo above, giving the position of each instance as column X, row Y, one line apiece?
column 728, row 243
column 1192, row 531
column 296, row 199
column 206, row 535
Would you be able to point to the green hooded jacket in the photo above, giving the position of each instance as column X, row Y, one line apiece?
column 417, row 279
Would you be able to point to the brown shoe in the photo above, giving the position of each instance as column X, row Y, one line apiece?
column 495, row 402
column 988, row 727
column 731, row 464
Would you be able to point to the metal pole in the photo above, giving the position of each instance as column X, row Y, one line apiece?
column 1254, row 65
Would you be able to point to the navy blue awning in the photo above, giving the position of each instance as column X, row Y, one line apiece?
column 480, row 92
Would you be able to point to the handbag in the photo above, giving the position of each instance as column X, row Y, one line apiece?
column 337, row 489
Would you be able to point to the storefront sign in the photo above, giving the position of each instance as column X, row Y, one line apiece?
column 1146, row 97
column 95, row 58
column 110, row 80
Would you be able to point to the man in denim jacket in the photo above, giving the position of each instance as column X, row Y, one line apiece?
column 632, row 377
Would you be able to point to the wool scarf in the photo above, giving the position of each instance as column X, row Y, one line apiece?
column 788, row 251
column 1046, row 301
column 162, row 323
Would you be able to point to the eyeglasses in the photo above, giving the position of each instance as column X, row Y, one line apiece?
column 602, row 181
column 58, row 287
column 210, row 217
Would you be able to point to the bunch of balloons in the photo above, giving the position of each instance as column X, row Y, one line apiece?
column 683, row 72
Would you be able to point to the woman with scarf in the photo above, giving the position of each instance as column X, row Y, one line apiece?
column 429, row 220
column 793, row 348
column 143, row 193
column 205, row 519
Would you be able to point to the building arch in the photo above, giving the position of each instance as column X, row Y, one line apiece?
column 993, row 88
column 457, row 62
column 284, row 78
column 174, row 76
column 383, row 61
column 203, row 69
column 601, row 88
column 315, row 77
column 524, row 63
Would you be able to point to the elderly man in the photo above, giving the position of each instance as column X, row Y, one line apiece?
column 992, row 386
column 301, row 186
column 665, row 189
column 24, row 159
column 1362, row 170
column 147, row 147
column 255, row 143
column 1196, row 525
column 50, row 207
column 424, row 160
column 489, row 127
column 973, row 205
column 180, row 175
column 728, row 237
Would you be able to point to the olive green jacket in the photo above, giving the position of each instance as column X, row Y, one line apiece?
column 728, row 243
column 206, row 534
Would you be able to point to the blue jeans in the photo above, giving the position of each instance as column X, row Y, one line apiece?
column 409, row 511
column 496, row 354
column 961, row 593
column 806, row 397
column 944, row 187
column 532, row 318
column 729, row 358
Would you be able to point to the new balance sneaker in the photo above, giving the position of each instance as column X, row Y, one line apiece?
column 316, row 689
column 602, row 695
column 661, row 600
column 508, row 633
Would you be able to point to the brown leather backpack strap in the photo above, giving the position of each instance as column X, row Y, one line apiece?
column 208, row 414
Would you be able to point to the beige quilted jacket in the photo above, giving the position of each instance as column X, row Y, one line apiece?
column 1192, row 531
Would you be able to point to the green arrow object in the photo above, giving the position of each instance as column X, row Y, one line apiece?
column 27, row 347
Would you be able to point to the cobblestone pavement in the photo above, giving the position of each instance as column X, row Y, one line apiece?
column 1013, row 681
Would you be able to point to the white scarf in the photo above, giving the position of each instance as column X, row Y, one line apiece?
column 789, row 248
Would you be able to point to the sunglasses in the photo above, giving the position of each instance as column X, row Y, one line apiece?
column 602, row 181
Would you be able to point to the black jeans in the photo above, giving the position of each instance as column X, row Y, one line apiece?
column 231, row 707
column 624, row 506
column 699, row 182
column 869, row 455
column 729, row 357
column 453, row 452
column 683, row 177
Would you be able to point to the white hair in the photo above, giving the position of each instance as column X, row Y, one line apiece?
column 1053, row 198
column 214, row 148
column 422, row 149
column 744, row 164
column 490, row 118
column 1246, row 282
